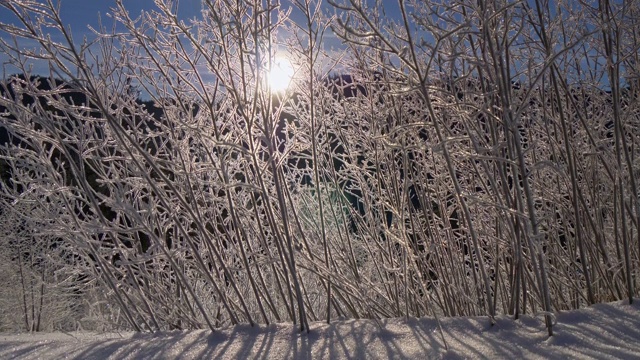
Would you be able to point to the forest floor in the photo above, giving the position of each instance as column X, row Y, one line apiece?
column 604, row 331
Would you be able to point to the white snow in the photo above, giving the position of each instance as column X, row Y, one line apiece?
column 601, row 331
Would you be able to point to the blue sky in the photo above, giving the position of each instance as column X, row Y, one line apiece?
column 79, row 14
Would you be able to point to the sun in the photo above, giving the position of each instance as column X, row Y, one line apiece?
column 280, row 74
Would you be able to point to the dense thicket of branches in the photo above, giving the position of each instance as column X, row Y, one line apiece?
column 481, row 157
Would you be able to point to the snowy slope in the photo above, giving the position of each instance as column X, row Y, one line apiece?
column 600, row 332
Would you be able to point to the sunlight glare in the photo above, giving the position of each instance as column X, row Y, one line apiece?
column 280, row 74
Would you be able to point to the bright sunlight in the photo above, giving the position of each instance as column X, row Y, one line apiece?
column 280, row 74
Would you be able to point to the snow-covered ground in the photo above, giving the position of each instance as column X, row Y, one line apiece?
column 600, row 332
